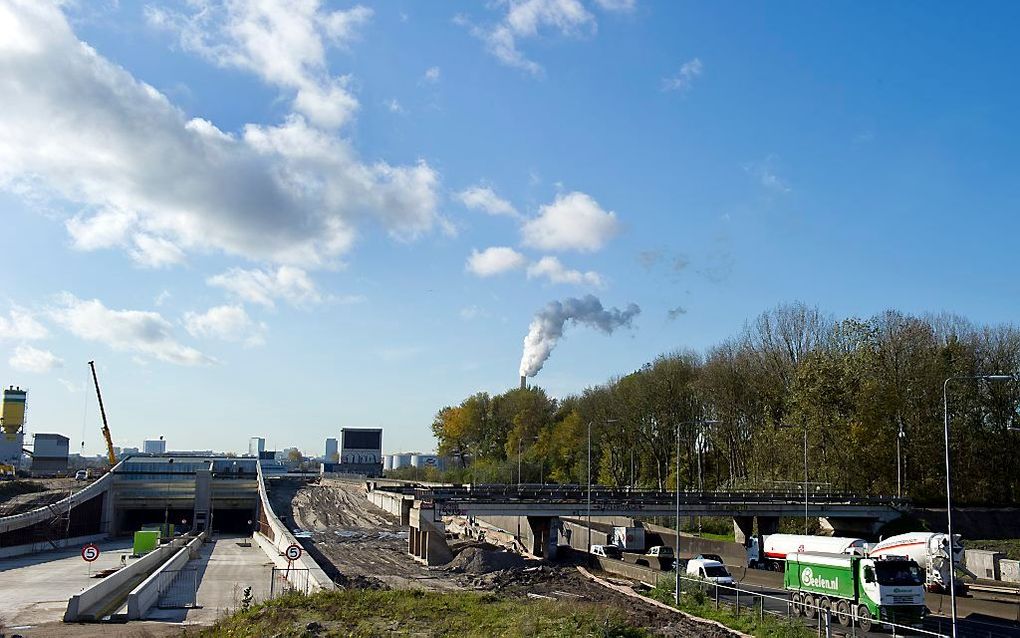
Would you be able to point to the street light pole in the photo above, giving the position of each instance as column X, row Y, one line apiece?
column 805, row 481
column 949, row 487
column 899, row 463
column 519, row 439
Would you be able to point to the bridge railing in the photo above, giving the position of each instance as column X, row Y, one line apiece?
column 46, row 512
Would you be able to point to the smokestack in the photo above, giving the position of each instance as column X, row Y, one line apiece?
column 524, row 382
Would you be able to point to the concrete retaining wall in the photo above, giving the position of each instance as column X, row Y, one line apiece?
column 396, row 504
column 146, row 594
column 652, row 577
column 1009, row 570
column 282, row 538
column 33, row 548
column 106, row 596
column 983, row 563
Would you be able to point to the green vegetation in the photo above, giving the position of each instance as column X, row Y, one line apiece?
column 695, row 600
column 1010, row 547
column 852, row 384
column 419, row 613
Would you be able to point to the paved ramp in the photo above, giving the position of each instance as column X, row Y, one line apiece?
column 36, row 587
column 223, row 570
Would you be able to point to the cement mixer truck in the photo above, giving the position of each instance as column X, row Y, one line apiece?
column 930, row 550
column 777, row 546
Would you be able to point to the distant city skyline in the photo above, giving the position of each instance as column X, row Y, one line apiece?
column 279, row 219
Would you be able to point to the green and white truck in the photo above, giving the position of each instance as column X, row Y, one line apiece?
column 874, row 590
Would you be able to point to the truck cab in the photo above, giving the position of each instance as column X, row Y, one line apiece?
column 607, row 551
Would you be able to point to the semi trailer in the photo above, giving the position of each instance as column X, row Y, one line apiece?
column 777, row 547
column 855, row 589
column 930, row 550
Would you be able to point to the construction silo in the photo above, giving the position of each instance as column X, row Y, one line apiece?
column 12, row 419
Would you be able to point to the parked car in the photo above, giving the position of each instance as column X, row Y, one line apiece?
column 607, row 551
column 82, row 475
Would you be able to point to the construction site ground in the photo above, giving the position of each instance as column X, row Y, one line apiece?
column 360, row 545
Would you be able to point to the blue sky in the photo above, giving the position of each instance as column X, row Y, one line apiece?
column 277, row 221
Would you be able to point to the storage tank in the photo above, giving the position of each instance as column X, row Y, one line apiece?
column 777, row 546
column 424, row 460
column 13, row 412
column 388, row 462
column 401, row 460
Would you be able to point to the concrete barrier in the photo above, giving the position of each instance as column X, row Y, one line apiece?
column 397, row 504
column 107, row 595
column 45, row 546
column 281, row 539
column 651, row 577
column 1009, row 570
column 147, row 593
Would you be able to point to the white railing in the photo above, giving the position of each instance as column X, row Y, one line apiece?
column 46, row 512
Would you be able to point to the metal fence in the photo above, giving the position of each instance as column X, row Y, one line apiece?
column 287, row 580
column 829, row 620
column 178, row 589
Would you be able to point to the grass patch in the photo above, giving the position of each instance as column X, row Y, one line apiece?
column 421, row 613
column 1009, row 546
column 698, row 602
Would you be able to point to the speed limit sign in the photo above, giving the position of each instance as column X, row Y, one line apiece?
column 293, row 552
column 89, row 553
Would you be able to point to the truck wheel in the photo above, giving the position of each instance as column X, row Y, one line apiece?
column 798, row 604
column 823, row 605
column 863, row 618
column 809, row 606
column 843, row 613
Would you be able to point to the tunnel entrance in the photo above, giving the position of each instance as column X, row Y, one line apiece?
column 234, row 521
column 132, row 520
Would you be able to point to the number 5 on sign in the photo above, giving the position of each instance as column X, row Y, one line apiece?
column 293, row 552
column 89, row 554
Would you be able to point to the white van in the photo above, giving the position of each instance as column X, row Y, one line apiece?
column 710, row 570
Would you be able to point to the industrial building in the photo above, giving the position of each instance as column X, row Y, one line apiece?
column 413, row 459
column 154, row 446
column 49, row 454
column 256, row 446
column 360, row 452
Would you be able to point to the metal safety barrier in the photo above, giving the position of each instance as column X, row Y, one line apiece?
column 289, row 580
column 178, row 589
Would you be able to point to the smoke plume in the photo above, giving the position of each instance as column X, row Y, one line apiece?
column 547, row 326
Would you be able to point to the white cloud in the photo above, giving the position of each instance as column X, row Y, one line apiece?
column 141, row 332
column 284, row 43
column 765, row 173
column 29, row 359
column 394, row 106
column 147, row 179
column 685, row 77
column 20, row 325
column 526, row 19
column 573, row 221
column 432, row 74
column 229, row 323
column 552, row 269
column 494, row 261
column 162, row 298
column 263, row 287
column 616, row 5
column 485, row 199
column 70, row 386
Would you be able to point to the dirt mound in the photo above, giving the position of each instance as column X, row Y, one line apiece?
column 357, row 581
column 479, row 560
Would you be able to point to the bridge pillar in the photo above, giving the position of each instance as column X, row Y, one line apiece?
column 203, row 500
column 743, row 528
column 543, row 539
column 427, row 538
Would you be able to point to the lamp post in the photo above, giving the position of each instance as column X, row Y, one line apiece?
column 899, row 462
column 166, row 512
column 949, row 488
column 792, row 425
column 676, row 557
column 588, row 560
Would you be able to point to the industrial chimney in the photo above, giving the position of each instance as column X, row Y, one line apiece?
column 524, row 382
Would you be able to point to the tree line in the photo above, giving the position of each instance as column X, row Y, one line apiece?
column 855, row 386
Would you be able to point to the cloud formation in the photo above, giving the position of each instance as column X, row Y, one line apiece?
column 76, row 127
column 264, row 287
column 684, row 78
column 228, row 323
column 486, row 200
column 552, row 269
column 573, row 221
column 141, row 332
column 527, row 19
column 494, row 261
column 21, row 325
column 29, row 359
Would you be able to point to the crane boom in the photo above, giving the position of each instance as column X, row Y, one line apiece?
column 102, row 411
